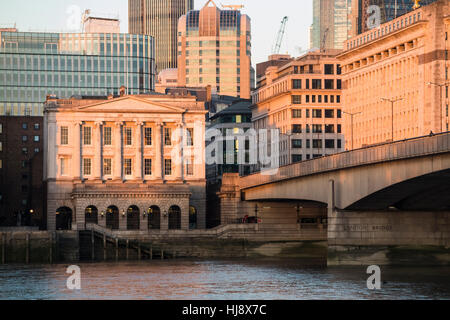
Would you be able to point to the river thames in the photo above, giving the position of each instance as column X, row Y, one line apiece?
column 218, row 280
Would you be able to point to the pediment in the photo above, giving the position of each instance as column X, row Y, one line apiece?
column 130, row 105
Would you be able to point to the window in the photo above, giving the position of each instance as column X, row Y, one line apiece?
column 329, row 69
column 316, row 83
column 36, row 126
column 127, row 169
column 64, row 136
column 317, row 113
column 1, row 163
column 296, row 99
column 329, row 113
column 107, row 136
column 190, row 137
column 87, row 166
column 24, row 138
column 1, row 127
column 36, row 138
column 190, row 167
column 167, row 136
column 107, row 166
column 87, row 138
column 329, row 144
column 308, row 143
column 296, row 84
column 1, row 146
column 63, row 164
column 329, row 84
column 148, row 167
column 128, row 132
column 148, row 136
column 329, row 128
column 25, row 150
column 296, row 113
column 339, row 84
column 339, row 143
column 168, row 167
column 339, row 128
column 339, row 113
column 296, row 158
column 24, row 126
column 317, row 128
column 296, row 143
column 317, row 143
column 297, row 128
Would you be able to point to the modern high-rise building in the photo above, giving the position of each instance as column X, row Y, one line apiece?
column 396, row 79
column 331, row 24
column 389, row 10
column 159, row 18
column 34, row 65
column 214, row 48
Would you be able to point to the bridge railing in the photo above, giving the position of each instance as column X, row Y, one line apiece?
column 404, row 149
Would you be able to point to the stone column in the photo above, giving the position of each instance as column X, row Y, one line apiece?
column 159, row 153
column 52, row 153
column 139, row 150
column 164, row 217
column 98, row 150
column 117, row 173
column 76, row 160
column 178, row 160
column 143, row 223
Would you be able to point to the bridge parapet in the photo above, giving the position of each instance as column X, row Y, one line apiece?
column 404, row 149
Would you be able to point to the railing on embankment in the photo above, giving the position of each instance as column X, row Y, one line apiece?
column 96, row 243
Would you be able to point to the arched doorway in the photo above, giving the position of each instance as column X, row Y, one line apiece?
column 174, row 218
column 91, row 215
column 192, row 218
column 112, row 218
column 154, row 218
column 64, row 218
column 133, row 218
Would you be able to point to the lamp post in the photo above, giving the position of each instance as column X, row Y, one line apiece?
column 351, row 116
column 392, row 101
column 441, row 86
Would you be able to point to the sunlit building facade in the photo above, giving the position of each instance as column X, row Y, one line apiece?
column 34, row 65
column 214, row 48
column 396, row 79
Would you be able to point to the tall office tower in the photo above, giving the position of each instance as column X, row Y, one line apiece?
column 389, row 10
column 34, row 65
column 331, row 24
column 214, row 48
column 159, row 18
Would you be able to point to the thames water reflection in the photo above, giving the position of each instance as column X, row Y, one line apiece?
column 220, row 280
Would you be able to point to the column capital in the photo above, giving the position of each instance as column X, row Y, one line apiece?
column 159, row 123
column 99, row 123
column 118, row 123
column 78, row 123
column 139, row 123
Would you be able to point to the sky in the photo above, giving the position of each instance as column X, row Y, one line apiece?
column 266, row 17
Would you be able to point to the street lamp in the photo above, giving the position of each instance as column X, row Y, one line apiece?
column 352, row 115
column 441, row 86
column 392, row 101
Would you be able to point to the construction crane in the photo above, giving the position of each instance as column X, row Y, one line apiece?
column 233, row 6
column 277, row 46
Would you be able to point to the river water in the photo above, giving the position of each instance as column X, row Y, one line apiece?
column 218, row 280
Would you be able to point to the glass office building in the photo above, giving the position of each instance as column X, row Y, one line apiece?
column 34, row 65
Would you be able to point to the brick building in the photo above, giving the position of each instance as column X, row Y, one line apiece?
column 21, row 178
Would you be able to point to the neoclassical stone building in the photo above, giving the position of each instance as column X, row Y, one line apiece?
column 125, row 163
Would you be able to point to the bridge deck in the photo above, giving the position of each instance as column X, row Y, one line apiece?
column 404, row 149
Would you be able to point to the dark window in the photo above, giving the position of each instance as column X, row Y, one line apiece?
column 317, row 128
column 317, row 143
column 317, row 84
column 329, row 84
column 297, row 128
column 329, row 113
column 329, row 144
column 296, row 143
column 339, row 113
column 339, row 84
column 329, row 128
column 296, row 99
column 307, row 98
column 296, row 84
column 296, row 158
column 329, row 69
column 339, row 128
column 317, row 113
column 307, row 84
column 296, row 113
column 339, row 143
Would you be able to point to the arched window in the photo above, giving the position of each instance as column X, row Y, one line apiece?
column 133, row 218
column 192, row 218
column 112, row 218
column 64, row 218
column 174, row 218
column 154, row 218
column 91, row 215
